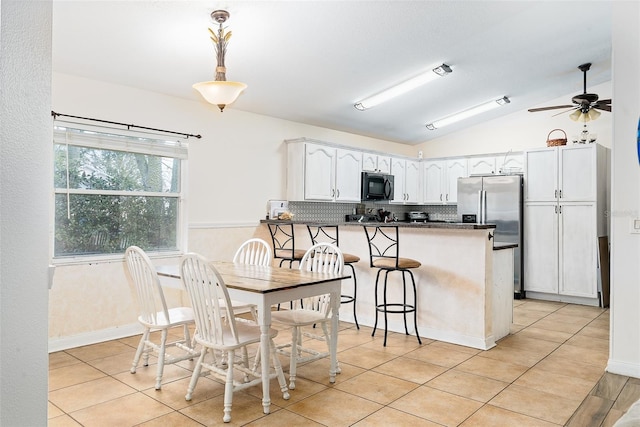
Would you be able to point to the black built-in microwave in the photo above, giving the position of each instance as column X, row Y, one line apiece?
column 377, row 186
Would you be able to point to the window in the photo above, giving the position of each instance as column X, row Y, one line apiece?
column 116, row 190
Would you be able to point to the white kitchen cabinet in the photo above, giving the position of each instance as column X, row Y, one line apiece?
column 482, row 165
column 319, row 172
column 372, row 162
column 440, row 179
column 498, row 164
column 564, row 214
column 406, row 181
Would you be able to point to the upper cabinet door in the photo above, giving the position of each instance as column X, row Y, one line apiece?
column 432, row 181
column 319, row 172
column 384, row 164
column 456, row 168
column 482, row 165
column 372, row 162
column 412, row 181
column 398, row 169
column 577, row 173
column 541, row 175
column 348, row 176
column 369, row 162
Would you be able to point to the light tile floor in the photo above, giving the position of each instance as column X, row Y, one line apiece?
column 547, row 372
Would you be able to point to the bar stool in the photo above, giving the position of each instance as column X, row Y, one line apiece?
column 329, row 234
column 283, row 240
column 383, row 255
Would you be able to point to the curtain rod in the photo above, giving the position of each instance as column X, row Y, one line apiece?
column 56, row 115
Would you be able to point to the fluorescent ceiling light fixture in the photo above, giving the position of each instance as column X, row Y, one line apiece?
column 404, row 87
column 468, row 113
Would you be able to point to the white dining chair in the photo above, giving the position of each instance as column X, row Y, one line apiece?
column 217, row 331
column 154, row 315
column 252, row 252
column 309, row 312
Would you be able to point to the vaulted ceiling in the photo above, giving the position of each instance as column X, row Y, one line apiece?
column 310, row 61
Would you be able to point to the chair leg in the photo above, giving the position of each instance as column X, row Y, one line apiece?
column 415, row 307
column 293, row 361
column 384, row 302
column 277, row 366
column 355, row 290
column 404, row 303
column 375, row 296
column 161, row 355
column 228, row 387
column 196, row 374
column 141, row 347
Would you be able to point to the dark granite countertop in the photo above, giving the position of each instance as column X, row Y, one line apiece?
column 420, row 225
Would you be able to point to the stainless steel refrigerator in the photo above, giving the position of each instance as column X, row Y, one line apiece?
column 496, row 199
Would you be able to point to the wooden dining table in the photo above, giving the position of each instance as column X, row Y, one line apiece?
column 268, row 286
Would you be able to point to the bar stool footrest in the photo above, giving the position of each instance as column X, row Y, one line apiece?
column 389, row 308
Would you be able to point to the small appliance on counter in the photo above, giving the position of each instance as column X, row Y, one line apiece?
column 361, row 218
column 277, row 207
column 417, row 217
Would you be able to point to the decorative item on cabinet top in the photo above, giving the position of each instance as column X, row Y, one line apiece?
column 557, row 141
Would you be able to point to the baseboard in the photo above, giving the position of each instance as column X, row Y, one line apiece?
column 94, row 337
column 623, row 368
column 595, row 302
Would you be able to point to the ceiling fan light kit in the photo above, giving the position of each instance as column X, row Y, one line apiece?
column 469, row 112
column 220, row 92
column 404, row 87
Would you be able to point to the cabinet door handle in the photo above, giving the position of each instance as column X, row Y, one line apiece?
column 440, row 197
column 556, row 207
column 561, row 198
column 447, row 198
column 338, row 192
column 560, row 209
column 333, row 193
column 555, row 194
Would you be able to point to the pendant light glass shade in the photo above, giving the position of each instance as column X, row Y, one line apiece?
column 220, row 92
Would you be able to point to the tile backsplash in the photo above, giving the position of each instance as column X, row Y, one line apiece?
column 333, row 212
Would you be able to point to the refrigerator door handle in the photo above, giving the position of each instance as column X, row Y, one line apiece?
column 484, row 206
column 480, row 208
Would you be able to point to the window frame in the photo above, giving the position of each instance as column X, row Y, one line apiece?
column 133, row 142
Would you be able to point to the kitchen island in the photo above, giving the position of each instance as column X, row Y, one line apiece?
column 455, row 281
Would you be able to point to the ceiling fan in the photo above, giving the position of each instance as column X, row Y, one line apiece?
column 585, row 105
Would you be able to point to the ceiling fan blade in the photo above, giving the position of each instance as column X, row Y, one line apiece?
column 602, row 107
column 604, row 101
column 566, row 111
column 533, row 110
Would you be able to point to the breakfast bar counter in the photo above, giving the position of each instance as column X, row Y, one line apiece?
column 455, row 282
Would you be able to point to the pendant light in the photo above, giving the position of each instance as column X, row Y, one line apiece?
column 220, row 91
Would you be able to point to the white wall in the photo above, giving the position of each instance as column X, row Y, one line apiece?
column 624, row 355
column 25, row 182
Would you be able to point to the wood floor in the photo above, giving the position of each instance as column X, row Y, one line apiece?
column 548, row 372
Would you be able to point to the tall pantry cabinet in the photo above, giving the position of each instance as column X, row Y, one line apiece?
column 565, row 207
